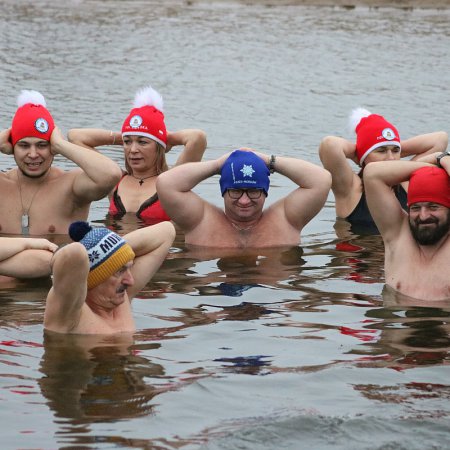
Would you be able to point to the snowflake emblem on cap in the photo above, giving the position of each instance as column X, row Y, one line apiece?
column 136, row 121
column 41, row 125
column 388, row 134
column 93, row 256
column 247, row 171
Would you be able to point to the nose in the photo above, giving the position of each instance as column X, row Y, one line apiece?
column 128, row 279
column 390, row 155
column 245, row 199
column 32, row 152
column 134, row 146
column 424, row 213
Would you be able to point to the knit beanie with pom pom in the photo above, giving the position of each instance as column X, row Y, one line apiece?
column 372, row 131
column 107, row 251
column 146, row 118
column 32, row 118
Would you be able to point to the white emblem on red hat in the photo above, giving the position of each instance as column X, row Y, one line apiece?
column 388, row 134
column 41, row 125
column 136, row 121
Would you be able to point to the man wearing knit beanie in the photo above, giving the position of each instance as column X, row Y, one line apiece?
column 417, row 242
column 37, row 197
column 244, row 185
column 95, row 277
column 376, row 140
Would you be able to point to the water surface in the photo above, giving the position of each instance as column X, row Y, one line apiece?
column 285, row 348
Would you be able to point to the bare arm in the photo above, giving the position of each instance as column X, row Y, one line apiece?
column 68, row 295
column 314, row 182
column 99, row 174
column 194, row 142
column 425, row 144
column 379, row 178
column 94, row 137
column 5, row 142
column 175, row 186
column 150, row 245
column 334, row 152
column 25, row 257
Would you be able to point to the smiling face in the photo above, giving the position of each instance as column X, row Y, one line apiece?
column 244, row 208
column 143, row 155
column 33, row 156
column 429, row 222
column 112, row 292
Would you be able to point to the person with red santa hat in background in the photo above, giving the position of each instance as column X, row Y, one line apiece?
column 376, row 140
column 145, row 142
column 39, row 198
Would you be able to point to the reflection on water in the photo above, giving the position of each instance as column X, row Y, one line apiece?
column 89, row 379
column 262, row 349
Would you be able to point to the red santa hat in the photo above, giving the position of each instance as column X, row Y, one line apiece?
column 372, row 131
column 32, row 118
column 146, row 118
column 429, row 184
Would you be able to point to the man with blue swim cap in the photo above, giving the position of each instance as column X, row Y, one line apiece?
column 244, row 170
column 244, row 185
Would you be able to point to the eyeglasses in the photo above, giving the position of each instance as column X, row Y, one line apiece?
column 252, row 194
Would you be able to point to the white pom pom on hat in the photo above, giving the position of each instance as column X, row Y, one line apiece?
column 148, row 97
column 33, row 97
column 355, row 117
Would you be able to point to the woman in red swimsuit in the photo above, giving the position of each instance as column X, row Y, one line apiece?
column 145, row 142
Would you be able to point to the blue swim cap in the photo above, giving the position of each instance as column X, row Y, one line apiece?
column 244, row 170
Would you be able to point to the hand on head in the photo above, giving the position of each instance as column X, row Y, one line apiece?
column 56, row 138
column 5, row 142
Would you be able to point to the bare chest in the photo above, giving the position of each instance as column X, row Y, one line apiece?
column 39, row 209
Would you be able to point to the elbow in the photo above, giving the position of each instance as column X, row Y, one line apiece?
column 111, row 175
column 161, row 182
column 115, row 174
column 200, row 140
column 370, row 171
column 327, row 145
column 74, row 136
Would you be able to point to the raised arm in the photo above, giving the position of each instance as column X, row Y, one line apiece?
column 425, row 144
column 194, row 142
column 99, row 174
column 335, row 153
column 25, row 257
column 94, row 137
column 66, row 298
column 175, row 186
column 314, row 182
column 5, row 142
column 150, row 245
column 379, row 178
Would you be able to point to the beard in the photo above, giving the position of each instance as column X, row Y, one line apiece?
column 432, row 234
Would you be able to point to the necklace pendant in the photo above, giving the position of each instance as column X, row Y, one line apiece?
column 141, row 182
column 25, row 224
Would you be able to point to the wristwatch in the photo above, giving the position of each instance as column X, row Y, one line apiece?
column 439, row 157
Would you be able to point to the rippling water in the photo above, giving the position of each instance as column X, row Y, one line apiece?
column 288, row 348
